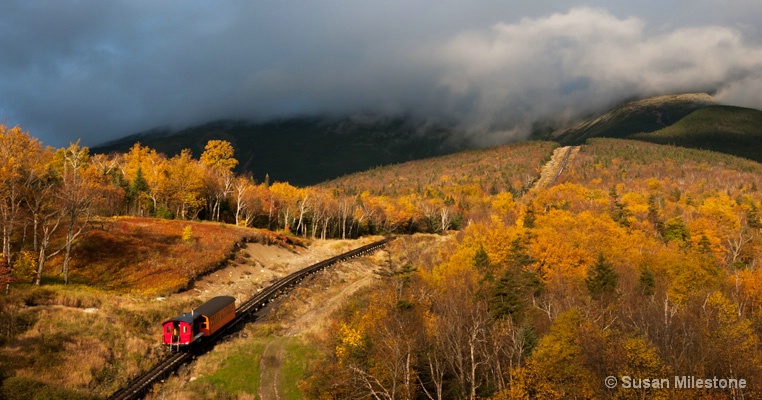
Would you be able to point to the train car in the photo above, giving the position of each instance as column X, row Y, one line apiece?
column 202, row 321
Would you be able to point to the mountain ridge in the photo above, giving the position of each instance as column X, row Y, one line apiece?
column 308, row 150
column 295, row 149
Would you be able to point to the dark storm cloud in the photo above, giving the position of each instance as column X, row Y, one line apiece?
column 99, row 70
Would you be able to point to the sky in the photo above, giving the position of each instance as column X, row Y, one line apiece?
column 98, row 70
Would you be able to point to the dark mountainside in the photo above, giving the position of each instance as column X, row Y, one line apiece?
column 307, row 150
column 645, row 115
column 686, row 120
column 725, row 129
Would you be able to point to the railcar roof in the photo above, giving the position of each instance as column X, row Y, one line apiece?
column 214, row 305
column 187, row 318
column 211, row 307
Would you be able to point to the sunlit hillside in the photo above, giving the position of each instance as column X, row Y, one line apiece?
column 644, row 115
column 730, row 130
column 640, row 260
column 520, row 271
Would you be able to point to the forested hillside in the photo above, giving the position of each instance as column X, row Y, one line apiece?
column 641, row 260
column 294, row 149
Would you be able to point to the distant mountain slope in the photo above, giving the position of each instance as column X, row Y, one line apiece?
column 645, row 115
column 510, row 168
column 305, row 151
column 731, row 130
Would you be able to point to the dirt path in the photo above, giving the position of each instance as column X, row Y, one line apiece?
column 313, row 320
column 306, row 311
column 270, row 365
column 555, row 167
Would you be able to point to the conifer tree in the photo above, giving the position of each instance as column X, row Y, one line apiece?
column 647, row 281
column 601, row 280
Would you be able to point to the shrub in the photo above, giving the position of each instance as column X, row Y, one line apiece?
column 25, row 267
column 187, row 234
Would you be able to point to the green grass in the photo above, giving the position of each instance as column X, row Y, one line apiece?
column 299, row 356
column 236, row 369
column 239, row 372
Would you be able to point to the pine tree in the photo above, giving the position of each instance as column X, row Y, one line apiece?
column 653, row 215
column 482, row 263
column 704, row 245
column 601, row 279
column 618, row 211
column 752, row 218
column 647, row 282
column 529, row 217
column 505, row 298
column 137, row 189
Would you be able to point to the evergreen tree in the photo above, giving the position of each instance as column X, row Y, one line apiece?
column 704, row 245
column 618, row 212
column 505, row 298
column 601, row 279
column 676, row 230
column 529, row 217
column 482, row 264
column 647, row 282
column 653, row 215
column 752, row 218
column 138, row 188
column 513, row 291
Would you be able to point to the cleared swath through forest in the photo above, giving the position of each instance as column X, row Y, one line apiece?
column 555, row 167
column 139, row 385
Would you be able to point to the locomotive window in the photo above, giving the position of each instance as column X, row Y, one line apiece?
column 169, row 328
column 185, row 328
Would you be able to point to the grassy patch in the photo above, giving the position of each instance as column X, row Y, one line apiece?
column 235, row 369
column 238, row 368
column 76, row 339
column 299, row 356
column 28, row 388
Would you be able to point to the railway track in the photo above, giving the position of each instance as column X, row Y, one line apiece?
column 555, row 167
column 140, row 384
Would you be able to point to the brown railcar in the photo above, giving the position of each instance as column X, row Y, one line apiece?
column 202, row 321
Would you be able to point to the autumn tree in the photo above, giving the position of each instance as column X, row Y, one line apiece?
column 19, row 153
column 240, row 187
column 218, row 158
column 81, row 189
column 184, row 185
column 5, row 274
column 286, row 200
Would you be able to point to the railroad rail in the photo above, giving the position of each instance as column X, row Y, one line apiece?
column 140, row 384
column 562, row 164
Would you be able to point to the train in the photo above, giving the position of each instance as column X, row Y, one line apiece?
column 202, row 321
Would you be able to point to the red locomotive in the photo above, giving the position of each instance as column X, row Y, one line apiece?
column 204, row 320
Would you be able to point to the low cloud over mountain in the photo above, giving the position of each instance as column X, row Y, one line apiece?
column 101, row 70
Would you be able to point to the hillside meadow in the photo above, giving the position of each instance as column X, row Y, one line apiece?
column 85, row 339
